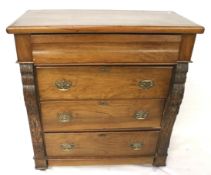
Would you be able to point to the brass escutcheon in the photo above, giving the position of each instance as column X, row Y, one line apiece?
column 103, row 103
column 104, row 69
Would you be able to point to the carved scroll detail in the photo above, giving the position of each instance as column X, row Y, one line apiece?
column 170, row 112
column 31, row 102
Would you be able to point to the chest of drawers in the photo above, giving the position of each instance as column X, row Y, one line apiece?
column 102, row 87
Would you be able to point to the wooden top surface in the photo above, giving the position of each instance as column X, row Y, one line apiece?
column 102, row 21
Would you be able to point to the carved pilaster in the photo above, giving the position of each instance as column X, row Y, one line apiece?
column 31, row 102
column 170, row 112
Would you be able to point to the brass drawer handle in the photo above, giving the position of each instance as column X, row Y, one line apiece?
column 64, row 117
column 67, row 147
column 136, row 146
column 146, row 84
column 63, row 85
column 141, row 115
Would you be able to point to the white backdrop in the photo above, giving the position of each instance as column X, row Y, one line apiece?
column 190, row 147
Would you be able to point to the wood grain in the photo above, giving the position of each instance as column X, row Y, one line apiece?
column 170, row 112
column 101, row 38
column 23, row 47
column 101, row 161
column 101, row 143
column 96, row 82
column 102, row 21
column 186, row 47
column 101, row 115
column 106, row 48
column 31, row 101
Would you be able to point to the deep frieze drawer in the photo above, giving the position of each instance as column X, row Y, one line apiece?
column 83, row 115
column 105, row 48
column 103, row 82
column 101, row 143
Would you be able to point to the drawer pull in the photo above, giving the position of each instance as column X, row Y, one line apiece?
column 140, row 115
column 136, row 146
column 63, row 85
column 64, row 117
column 67, row 147
column 146, row 84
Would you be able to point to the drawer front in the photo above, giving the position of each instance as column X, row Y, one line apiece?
column 101, row 143
column 96, row 82
column 91, row 115
column 105, row 48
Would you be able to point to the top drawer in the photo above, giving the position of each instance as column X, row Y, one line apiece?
column 104, row 48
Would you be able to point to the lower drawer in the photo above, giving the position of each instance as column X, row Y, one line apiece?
column 94, row 144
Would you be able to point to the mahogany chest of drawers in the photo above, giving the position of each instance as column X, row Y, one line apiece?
column 102, row 87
